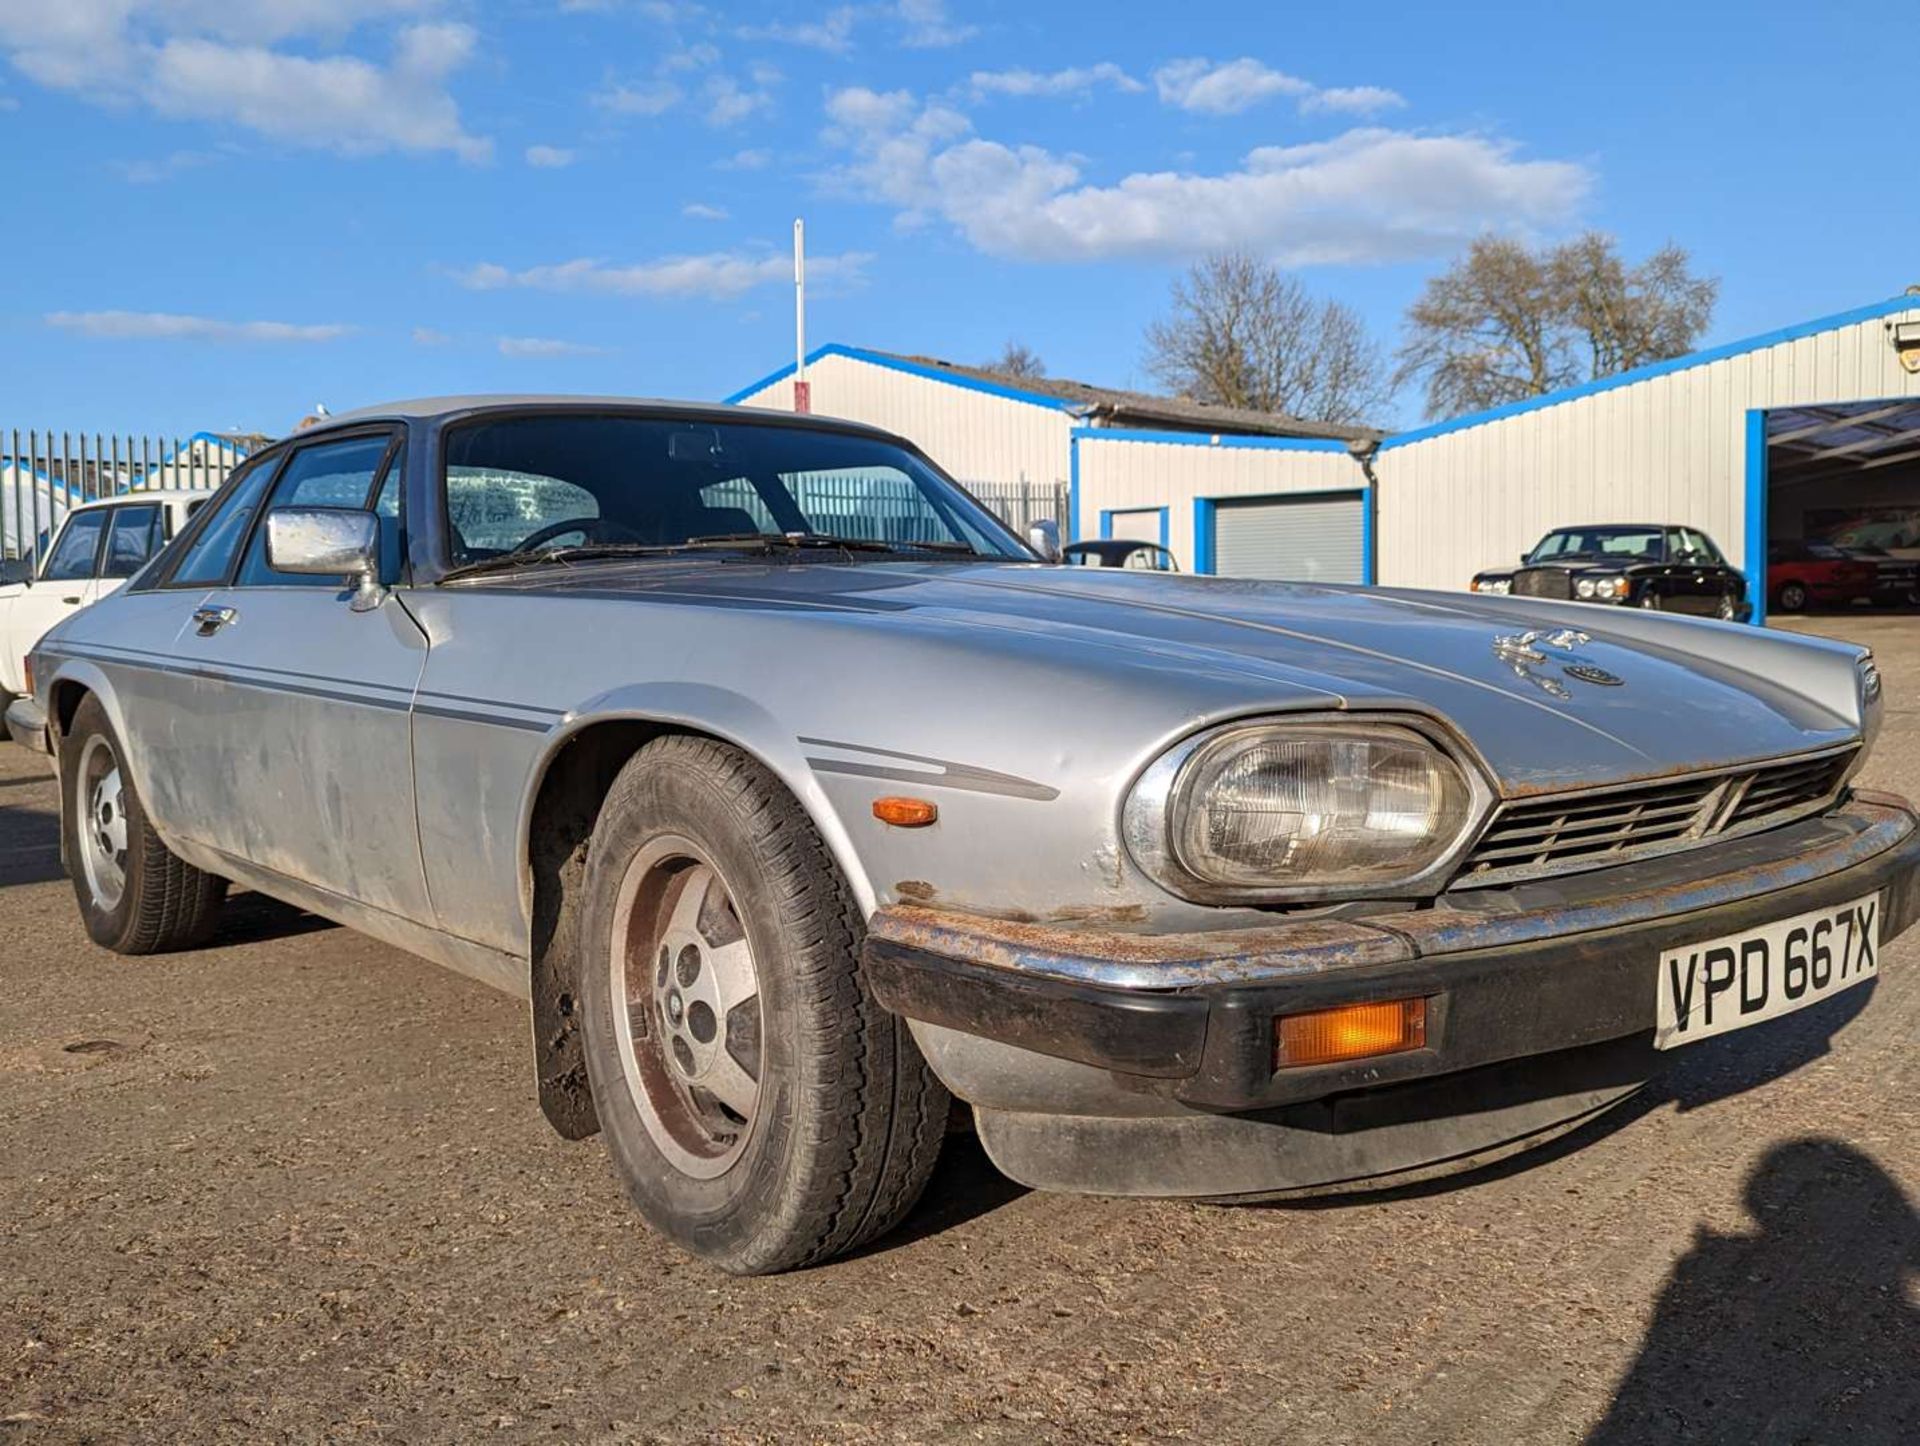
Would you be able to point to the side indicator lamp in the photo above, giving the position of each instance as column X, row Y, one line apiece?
column 905, row 812
column 1351, row 1031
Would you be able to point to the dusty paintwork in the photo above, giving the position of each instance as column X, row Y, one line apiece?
column 386, row 765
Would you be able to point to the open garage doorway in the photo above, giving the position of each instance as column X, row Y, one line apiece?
column 1840, row 491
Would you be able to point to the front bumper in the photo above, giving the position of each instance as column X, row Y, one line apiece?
column 1183, row 1025
column 27, row 725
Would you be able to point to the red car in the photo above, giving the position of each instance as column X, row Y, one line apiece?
column 1816, row 573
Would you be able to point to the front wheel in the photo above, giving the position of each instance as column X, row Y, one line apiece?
column 1727, row 609
column 136, row 896
column 762, row 1110
column 1790, row 598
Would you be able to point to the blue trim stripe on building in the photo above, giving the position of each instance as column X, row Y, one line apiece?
column 1209, row 439
column 1878, row 310
column 1756, row 540
column 917, row 369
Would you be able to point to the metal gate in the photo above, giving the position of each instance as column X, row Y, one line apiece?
column 1321, row 538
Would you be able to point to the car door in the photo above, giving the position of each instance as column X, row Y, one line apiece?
column 301, row 736
column 64, row 585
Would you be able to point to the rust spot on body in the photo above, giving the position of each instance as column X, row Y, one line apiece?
column 918, row 889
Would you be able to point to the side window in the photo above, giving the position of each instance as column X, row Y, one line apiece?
column 73, row 555
column 211, row 554
column 328, row 474
column 387, row 508
column 134, row 537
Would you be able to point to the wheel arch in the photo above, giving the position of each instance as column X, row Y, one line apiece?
column 565, row 792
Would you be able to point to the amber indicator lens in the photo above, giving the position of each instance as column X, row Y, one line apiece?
column 905, row 812
column 1353, row 1031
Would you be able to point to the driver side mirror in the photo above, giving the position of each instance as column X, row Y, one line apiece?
column 1044, row 538
column 329, row 542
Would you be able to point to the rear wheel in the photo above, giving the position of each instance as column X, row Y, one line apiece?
column 136, row 896
column 1726, row 608
column 761, row 1109
column 1790, row 597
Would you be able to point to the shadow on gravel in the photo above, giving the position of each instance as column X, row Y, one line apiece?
column 29, row 847
column 1804, row 1330
column 250, row 918
column 965, row 1185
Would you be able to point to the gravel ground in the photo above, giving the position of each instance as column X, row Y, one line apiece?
column 296, row 1187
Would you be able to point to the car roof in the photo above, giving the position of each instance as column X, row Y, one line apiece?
column 145, row 494
column 439, row 409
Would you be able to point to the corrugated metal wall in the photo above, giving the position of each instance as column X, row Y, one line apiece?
column 1668, row 448
column 1120, row 469
column 975, row 435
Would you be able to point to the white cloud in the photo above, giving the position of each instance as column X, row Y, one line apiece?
column 752, row 159
column 700, row 211
column 1200, row 85
column 213, row 60
column 728, row 102
column 428, row 336
column 716, row 275
column 832, row 32
column 927, row 26
column 1370, row 195
column 648, row 97
column 168, row 326
column 1364, row 100
column 153, row 172
column 545, row 346
column 549, row 158
column 1076, row 80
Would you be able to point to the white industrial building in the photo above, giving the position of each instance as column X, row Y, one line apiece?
column 1811, row 431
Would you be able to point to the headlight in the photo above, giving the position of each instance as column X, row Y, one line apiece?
column 1584, row 587
column 1316, row 809
column 1492, row 584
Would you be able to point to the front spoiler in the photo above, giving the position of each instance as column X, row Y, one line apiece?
column 1533, row 970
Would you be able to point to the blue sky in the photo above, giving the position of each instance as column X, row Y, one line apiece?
column 224, row 211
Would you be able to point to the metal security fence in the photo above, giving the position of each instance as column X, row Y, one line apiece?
column 1021, row 504
column 43, row 473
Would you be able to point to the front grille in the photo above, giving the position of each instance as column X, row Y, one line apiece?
column 1572, row 831
column 1553, row 582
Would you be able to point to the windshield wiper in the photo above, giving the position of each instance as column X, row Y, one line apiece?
column 777, row 541
column 534, row 557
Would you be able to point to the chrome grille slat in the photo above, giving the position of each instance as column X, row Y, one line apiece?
column 1541, row 836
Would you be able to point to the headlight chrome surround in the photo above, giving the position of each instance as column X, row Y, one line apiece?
column 1157, row 817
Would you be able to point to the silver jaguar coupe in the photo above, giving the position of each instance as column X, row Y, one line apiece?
column 799, row 797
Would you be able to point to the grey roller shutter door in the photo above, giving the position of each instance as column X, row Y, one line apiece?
column 1308, row 539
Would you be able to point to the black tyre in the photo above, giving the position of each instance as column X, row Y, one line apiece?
column 1726, row 609
column 1789, row 597
column 135, row 895
column 761, row 1109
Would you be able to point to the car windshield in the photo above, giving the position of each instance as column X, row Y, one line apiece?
column 559, row 487
column 1600, row 544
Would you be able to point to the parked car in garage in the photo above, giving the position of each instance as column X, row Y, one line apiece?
column 1817, row 574
column 99, row 546
column 1661, row 567
column 786, row 833
column 1119, row 552
column 1896, row 580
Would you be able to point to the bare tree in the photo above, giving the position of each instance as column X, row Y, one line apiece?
column 1244, row 334
column 1017, row 359
column 1506, row 321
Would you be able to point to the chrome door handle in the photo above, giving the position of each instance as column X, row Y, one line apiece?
column 209, row 620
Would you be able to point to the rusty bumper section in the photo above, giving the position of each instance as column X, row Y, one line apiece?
column 1508, row 974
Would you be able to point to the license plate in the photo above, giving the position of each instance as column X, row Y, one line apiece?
column 1740, row 979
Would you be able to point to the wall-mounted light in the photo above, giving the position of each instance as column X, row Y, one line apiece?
column 1905, row 336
